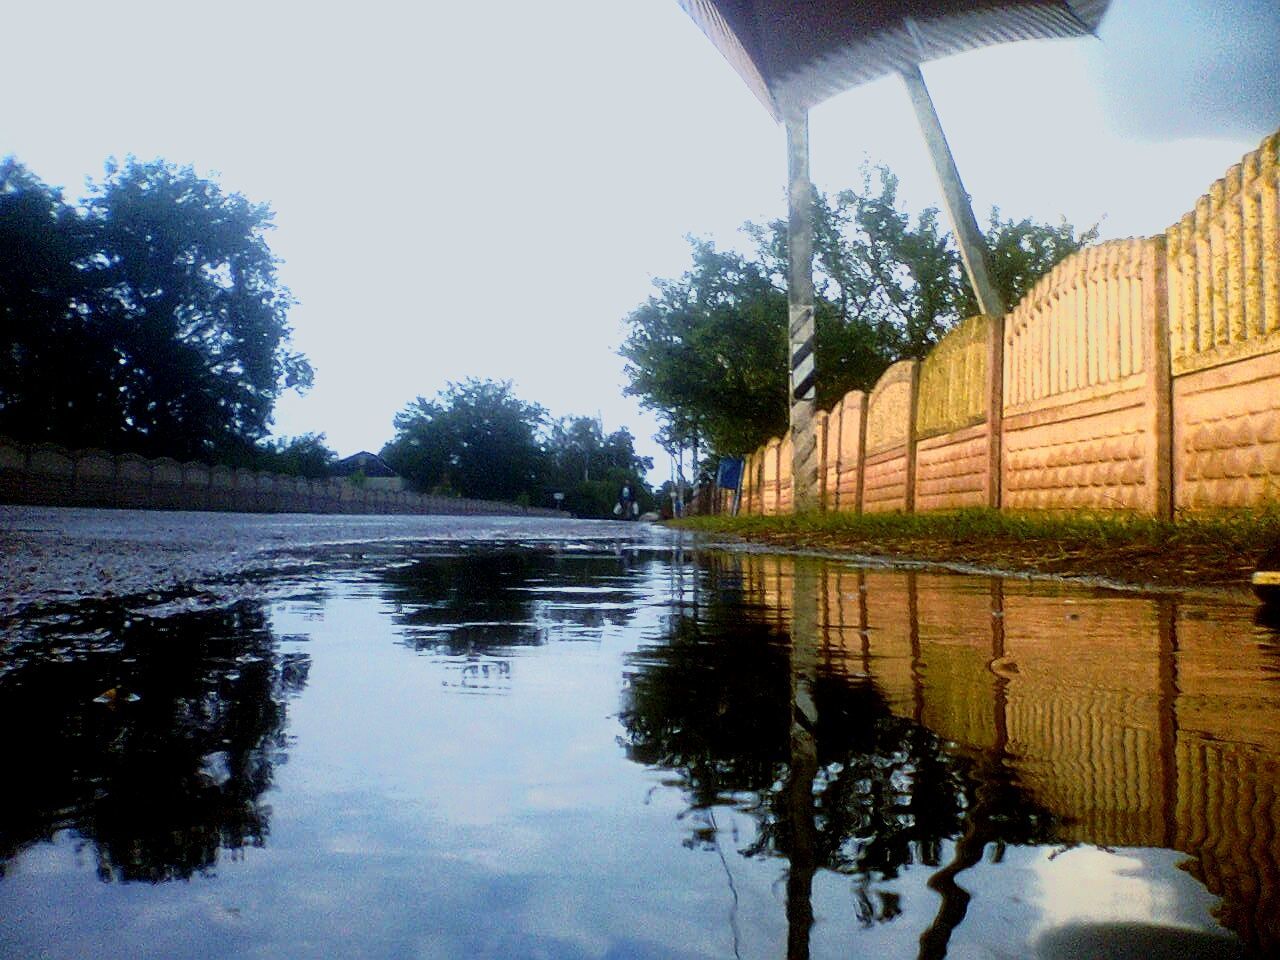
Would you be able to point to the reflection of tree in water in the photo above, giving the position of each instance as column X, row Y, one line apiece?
column 713, row 704
column 153, row 739
column 473, row 600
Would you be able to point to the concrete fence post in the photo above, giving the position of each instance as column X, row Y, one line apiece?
column 1159, row 403
column 995, row 410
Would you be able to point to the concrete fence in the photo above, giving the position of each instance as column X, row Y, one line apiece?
column 49, row 475
column 1139, row 375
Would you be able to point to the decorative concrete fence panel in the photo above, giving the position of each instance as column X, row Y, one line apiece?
column 1086, row 400
column 324, row 496
column 956, row 462
column 51, row 461
column 852, row 447
column 769, row 499
column 50, row 473
column 195, row 485
column 281, row 494
column 889, row 464
column 94, row 483
column 245, row 490
column 1224, row 338
column 13, row 472
column 166, row 484
column 293, row 494
column 786, row 486
column 265, row 492
column 133, row 481
column 306, row 496
column 13, row 457
column 221, row 495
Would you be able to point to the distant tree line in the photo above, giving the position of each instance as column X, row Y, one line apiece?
column 148, row 317
column 477, row 439
column 708, row 351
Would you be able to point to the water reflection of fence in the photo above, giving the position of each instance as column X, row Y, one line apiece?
column 1138, row 374
column 1148, row 728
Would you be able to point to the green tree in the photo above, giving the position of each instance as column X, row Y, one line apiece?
column 302, row 456
column 1023, row 251
column 57, row 362
column 475, row 439
column 148, row 318
column 590, row 468
column 708, row 351
column 197, row 311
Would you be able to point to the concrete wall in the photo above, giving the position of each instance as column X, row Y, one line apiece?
column 1140, row 375
column 48, row 475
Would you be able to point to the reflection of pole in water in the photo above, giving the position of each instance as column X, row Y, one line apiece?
column 804, row 760
column 976, row 830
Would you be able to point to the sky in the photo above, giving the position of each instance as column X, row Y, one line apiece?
column 486, row 190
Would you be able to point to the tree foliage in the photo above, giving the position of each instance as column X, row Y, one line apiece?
column 306, row 455
column 590, row 468
column 475, row 439
column 707, row 352
column 149, row 318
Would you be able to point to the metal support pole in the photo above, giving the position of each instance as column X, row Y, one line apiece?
column 804, row 441
column 973, row 248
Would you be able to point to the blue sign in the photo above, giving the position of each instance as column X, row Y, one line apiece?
column 729, row 476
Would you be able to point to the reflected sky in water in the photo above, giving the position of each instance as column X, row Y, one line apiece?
column 630, row 751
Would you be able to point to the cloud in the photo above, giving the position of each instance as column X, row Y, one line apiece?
column 1195, row 68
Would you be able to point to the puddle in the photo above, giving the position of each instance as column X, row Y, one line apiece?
column 592, row 749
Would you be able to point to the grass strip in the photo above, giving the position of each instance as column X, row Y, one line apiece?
column 1195, row 549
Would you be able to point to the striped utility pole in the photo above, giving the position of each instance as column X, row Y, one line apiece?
column 804, row 442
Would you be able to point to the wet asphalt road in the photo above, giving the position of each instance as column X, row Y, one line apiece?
column 51, row 555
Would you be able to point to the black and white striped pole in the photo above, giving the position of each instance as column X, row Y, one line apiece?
column 804, row 441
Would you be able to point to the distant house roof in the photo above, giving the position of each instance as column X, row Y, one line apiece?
column 370, row 464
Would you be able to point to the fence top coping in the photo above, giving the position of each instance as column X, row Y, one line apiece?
column 1255, row 165
column 1110, row 260
column 958, row 338
column 901, row 371
column 50, row 448
column 853, row 397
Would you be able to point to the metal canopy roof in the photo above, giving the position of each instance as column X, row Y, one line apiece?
column 795, row 54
